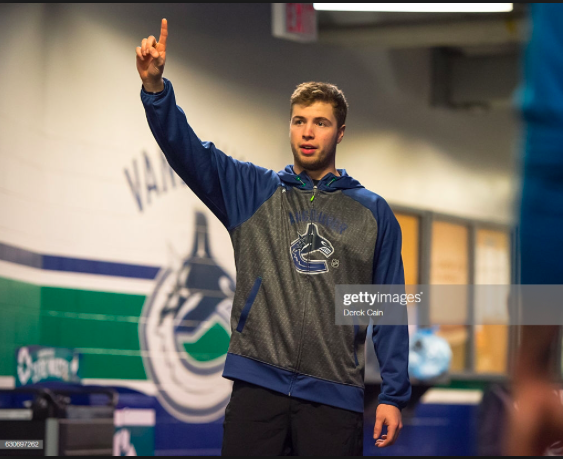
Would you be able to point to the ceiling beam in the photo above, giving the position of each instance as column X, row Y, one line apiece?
column 428, row 35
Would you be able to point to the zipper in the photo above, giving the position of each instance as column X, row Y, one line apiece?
column 305, row 305
column 311, row 232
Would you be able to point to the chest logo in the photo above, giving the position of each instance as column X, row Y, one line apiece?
column 307, row 244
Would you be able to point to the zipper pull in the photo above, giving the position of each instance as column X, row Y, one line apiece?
column 314, row 191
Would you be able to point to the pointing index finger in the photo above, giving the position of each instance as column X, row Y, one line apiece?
column 163, row 32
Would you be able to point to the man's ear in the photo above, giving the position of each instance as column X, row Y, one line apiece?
column 290, row 119
column 340, row 134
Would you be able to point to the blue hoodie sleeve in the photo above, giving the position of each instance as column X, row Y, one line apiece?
column 391, row 342
column 231, row 189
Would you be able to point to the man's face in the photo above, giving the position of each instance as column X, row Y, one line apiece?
column 314, row 134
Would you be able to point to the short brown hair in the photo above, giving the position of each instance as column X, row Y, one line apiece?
column 308, row 93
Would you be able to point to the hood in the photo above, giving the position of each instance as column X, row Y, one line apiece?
column 329, row 182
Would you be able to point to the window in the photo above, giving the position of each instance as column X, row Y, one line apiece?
column 449, row 265
column 492, row 267
column 410, row 229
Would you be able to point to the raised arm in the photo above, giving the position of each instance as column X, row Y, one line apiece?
column 231, row 189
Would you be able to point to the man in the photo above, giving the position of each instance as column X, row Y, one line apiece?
column 296, row 234
column 537, row 423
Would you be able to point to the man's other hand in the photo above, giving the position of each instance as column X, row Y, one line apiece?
column 391, row 417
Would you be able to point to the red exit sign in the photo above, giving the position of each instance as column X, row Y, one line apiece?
column 294, row 21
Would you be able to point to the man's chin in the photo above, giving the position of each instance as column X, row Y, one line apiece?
column 310, row 163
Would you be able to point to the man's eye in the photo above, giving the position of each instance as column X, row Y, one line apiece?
column 321, row 123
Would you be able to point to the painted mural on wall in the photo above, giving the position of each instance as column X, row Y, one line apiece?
column 184, row 333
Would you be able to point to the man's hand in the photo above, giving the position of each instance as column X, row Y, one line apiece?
column 151, row 57
column 391, row 417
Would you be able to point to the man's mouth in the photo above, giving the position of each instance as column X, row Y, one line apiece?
column 308, row 149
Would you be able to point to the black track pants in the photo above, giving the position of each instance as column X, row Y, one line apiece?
column 261, row 422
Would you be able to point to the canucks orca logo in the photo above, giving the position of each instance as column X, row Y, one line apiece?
column 307, row 244
column 185, row 333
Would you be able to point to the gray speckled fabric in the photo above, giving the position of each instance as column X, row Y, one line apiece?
column 291, row 321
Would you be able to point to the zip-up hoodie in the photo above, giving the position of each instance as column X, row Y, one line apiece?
column 293, row 242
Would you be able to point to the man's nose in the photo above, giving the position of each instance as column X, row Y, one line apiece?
column 308, row 132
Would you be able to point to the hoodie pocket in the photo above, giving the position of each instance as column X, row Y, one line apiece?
column 248, row 304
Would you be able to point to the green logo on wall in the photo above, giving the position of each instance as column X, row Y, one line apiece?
column 37, row 364
column 185, row 333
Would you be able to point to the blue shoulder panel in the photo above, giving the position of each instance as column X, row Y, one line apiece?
column 387, row 261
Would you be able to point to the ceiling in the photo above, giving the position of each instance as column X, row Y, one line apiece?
column 337, row 19
column 483, row 32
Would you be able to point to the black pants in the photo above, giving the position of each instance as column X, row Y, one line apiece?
column 261, row 422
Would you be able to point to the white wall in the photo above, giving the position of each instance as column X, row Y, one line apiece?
column 71, row 121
